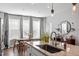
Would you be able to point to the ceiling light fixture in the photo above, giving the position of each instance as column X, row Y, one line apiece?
column 74, row 7
column 52, row 10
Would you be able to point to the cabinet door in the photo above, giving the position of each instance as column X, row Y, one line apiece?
column 28, row 50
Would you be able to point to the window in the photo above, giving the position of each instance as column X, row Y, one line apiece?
column 26, row 22
column 36, row 28
column 2, row 19
column 1, row 28
column 18, row 29
column 14, row 27
column 2, row 40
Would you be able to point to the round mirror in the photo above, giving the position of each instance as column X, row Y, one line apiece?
column 65, row 27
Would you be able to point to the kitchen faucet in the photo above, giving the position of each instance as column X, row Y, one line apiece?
column 53, row 38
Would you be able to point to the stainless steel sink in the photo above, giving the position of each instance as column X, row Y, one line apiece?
column 50, row 48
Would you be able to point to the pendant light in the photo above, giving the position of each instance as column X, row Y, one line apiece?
column 74, row 7
column 52, row 10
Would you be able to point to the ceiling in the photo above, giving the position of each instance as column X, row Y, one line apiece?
column 34, row 9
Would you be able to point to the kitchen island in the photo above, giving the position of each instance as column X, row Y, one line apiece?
column 34, row 50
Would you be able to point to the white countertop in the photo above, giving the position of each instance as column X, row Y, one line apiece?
column 72, row 50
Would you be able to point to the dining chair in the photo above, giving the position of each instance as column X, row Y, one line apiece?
column 21, row 47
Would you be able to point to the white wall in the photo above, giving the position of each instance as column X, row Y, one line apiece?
column 64, row 12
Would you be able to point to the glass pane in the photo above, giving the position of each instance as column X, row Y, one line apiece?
column 2, row 19
column 14, row 28
column 2, row 40
column 64, row 28
column 26, row 27
column 1, row 28
column 36, row 28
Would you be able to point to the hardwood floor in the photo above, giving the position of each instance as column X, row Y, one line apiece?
column 13, row 52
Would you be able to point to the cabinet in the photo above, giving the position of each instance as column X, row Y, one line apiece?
column 31, row 51
column 71, row 41
column 35, row 52
column 28, row 50
column 68, row 40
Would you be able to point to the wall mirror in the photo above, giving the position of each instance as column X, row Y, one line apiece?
column 64, row 27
